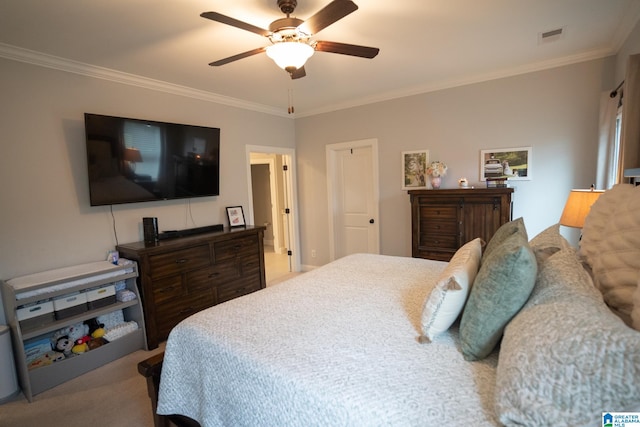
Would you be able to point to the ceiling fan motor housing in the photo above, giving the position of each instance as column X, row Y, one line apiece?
column 287, row 6
column 285, row 26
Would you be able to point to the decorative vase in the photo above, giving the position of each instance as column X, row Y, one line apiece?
column 435, row 182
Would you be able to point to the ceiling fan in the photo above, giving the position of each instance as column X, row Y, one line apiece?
column 291, row 38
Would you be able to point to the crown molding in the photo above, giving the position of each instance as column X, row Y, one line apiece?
column 50, row 61
column 509, row 72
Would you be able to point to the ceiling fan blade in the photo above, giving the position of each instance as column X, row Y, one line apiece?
column 331, row 13
column 238, row 56
column 215, row 16
column 347, row 49
column 299, row 73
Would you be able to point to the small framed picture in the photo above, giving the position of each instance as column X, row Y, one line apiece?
column 414, row 169
column 513, row 164
column 236, row 216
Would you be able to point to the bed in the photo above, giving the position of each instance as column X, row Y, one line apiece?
column 514, row 332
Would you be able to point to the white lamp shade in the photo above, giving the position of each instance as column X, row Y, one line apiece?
column 290, row 54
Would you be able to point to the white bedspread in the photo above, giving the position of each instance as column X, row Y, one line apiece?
column 336, row 346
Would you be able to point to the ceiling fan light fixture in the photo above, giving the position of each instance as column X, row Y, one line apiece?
column 289, row 55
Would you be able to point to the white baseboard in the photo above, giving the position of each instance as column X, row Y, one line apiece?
column 306, row 267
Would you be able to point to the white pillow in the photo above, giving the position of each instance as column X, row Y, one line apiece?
column 449, row 295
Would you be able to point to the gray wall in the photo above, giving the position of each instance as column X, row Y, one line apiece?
column 46, row 218
column 553, row 111
column 630, row 47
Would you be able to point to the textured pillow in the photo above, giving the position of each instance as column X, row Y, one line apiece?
column 565, row 358
column 503, row 284
column 446, row 301
column 635, row 313
column 502, row 233
column 548, row 242
column 599, row 216
column 616, row 261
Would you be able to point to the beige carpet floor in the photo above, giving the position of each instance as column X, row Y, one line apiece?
column 114, row 395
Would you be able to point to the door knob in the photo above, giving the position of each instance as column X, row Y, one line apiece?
column 371, row 221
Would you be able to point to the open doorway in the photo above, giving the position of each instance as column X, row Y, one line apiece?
column 271, row 178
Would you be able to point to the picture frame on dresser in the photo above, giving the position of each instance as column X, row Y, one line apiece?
column 511, row 163
column 414, row 167
column 235, row 214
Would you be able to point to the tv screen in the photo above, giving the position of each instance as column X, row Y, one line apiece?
column 134, row 160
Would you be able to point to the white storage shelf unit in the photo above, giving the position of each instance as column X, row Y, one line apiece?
column 49, row 285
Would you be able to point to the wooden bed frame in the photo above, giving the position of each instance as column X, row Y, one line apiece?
column 151, row 369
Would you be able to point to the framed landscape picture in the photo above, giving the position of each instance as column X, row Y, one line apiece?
column 414, row 167
column 511, row 163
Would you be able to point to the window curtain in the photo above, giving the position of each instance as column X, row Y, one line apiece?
column 630, row 141
column 607, row 174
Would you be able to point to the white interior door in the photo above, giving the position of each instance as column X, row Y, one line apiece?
column 352, row 171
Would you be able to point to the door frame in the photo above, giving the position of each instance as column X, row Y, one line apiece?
column 291, row 196
column 331, row 151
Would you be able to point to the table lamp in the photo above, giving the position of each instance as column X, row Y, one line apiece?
column 578, row 206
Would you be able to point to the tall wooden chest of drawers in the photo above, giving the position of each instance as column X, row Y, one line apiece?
column 181, row 276
column 444, row 220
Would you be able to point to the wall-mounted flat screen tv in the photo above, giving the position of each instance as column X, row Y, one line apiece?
column 135, row 160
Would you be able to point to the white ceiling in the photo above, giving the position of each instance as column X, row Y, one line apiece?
column 424, row 45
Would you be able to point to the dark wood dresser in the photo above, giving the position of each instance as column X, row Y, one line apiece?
column 181, row 276
column 444, row 220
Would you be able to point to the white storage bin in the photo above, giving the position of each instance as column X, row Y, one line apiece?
column 35, row 314
column 70, row 305
column 101, row 297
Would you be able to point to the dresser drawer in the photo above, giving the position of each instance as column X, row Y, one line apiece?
column 438, row 226
column 250, row 265
column 232, row 290
column 179, row 261
column 445, row 255
column 443, row 212
column 213, row 275
column 170, row 313
column 435, row 241
column 230, row 249
column 168, row 289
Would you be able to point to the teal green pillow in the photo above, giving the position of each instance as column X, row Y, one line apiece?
column 501, row 287
column 502, row 233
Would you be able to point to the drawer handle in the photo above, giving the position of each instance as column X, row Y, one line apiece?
column 214, row 274
column 186, row 310
column 181, row 261
column 237, row 247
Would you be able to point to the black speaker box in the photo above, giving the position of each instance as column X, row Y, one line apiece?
column 150, row 229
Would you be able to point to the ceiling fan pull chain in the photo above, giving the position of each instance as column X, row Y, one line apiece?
column 290, row 110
